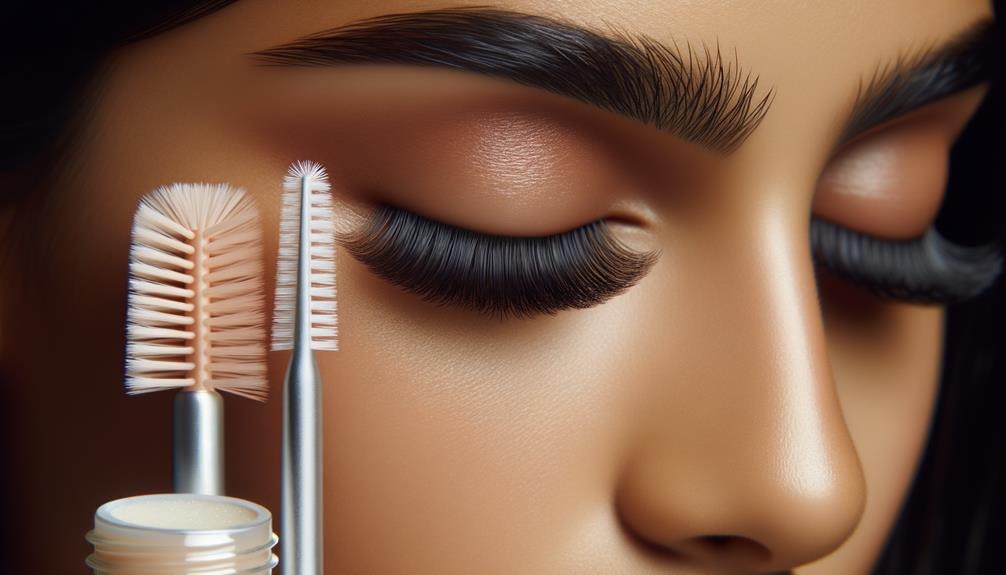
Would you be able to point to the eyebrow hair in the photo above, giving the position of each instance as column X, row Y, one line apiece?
column 909, row 82
column 699, row 97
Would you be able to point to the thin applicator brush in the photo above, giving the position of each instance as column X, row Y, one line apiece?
column 195, row 319
column 304, row 320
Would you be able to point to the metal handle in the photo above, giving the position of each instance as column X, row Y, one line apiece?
column 301, row 512
column 198, row 454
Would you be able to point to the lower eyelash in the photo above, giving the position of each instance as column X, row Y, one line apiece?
column 496, row 275
column 929, row 269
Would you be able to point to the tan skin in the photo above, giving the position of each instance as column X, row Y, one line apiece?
column 733, row 412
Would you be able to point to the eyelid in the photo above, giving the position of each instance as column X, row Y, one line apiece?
column 499, row 276
column 891, row 181
column 890, row 185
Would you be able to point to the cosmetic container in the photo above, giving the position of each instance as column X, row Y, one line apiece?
column 182, row 534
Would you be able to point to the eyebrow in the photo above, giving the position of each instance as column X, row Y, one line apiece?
column 698, row 96
column 909, row 82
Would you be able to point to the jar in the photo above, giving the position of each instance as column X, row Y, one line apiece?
column 182, row 534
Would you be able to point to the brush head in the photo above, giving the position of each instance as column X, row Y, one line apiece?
column 196, row 309
column 324, row 321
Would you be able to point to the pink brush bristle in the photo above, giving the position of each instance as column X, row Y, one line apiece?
column 196, row 306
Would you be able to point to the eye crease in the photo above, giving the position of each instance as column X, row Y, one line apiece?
column 500, row 276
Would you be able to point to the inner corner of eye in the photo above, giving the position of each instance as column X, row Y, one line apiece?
column 629, row 234
column 619, row 221
column 624, row 227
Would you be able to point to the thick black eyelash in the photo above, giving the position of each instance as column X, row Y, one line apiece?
column 500, row 276
column 520, row 277
column 929, row 269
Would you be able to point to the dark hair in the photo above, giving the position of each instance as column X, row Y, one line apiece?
column 955, row 511
column 954, row 517
column 52, row 52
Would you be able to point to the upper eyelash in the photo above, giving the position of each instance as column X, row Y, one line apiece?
column 522, row 276
column 500, row 276
column 928, row 269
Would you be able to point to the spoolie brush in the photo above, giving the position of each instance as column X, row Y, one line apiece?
column 304, row 320
column 196, row 316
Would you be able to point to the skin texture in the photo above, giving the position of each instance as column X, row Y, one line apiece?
column 733, row 412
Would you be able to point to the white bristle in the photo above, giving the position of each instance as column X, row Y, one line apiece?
column 196, row 311
column 324, row 324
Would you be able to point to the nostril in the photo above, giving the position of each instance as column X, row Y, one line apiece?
column 733, row 549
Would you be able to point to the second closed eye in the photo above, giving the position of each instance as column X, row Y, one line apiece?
column 496, row 275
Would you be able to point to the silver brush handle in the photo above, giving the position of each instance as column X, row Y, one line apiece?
column 198, row 460
column 302, row 508
column 301, row 516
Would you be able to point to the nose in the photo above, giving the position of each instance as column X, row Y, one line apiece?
column 741, row 459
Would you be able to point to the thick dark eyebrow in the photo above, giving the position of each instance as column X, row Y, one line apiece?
column 698, row 96
column 909, row 82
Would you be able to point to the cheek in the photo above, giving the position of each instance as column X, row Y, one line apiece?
column 452, row 439
column 886, row 361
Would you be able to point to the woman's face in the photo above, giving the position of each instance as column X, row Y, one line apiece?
column 734, row 411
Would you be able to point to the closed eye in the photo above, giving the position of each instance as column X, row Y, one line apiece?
column 927, row 269
column 506, row 276
column 500, row 276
